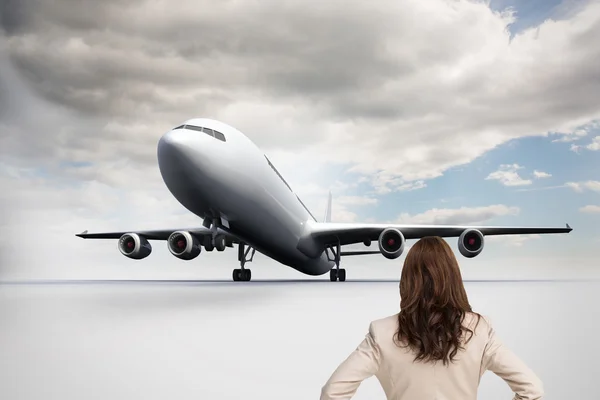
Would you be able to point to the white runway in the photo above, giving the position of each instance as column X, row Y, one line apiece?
column 259, row 340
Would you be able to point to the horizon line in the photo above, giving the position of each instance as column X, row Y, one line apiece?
column 200, row 281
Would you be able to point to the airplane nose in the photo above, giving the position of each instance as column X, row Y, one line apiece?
column 170, row 141
column 171, row 154
column 181, row 152
column 174, row 148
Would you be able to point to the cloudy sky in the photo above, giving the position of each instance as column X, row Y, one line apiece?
column 458, row 112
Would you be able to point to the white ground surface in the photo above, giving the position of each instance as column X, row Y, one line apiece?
column 260, row 340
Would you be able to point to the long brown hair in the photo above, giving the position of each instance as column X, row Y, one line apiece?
column 433, row 302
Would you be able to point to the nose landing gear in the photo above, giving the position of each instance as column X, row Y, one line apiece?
column 242, row 274
column 218, row 241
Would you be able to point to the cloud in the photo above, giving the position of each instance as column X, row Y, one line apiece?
column 130, row 79
column 578, row 133
column 581, row 186
column 384, row 183
column 540, row 174
column 513, row 240
column 537, row 189
column 342, row 214
column 507, row 175
column 595, row 145
column 459, row 216
column 592, row 209
column 341, row 209
column 356, row 200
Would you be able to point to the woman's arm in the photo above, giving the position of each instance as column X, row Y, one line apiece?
column 504, row 363
column 360, row 365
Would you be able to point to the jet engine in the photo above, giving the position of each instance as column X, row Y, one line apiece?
column 184, row 245
column 391, row 243
column 134, row 246
column 470, row 243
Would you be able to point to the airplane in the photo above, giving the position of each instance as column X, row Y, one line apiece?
column 217, row 173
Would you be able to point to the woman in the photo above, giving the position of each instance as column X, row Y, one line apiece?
column 435, row 347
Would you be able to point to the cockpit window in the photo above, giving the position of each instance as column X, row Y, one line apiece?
column 219, row 135
column 194, row 128
column 210, row 132
column 179, row 127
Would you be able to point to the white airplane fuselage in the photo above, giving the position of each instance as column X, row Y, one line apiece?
column 235, row 181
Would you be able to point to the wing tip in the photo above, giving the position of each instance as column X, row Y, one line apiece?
column 569, row 227
column 82, row 234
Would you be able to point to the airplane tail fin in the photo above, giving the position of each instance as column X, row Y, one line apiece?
column 328, row 212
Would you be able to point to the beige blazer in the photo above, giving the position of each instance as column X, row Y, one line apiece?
column 403, row 379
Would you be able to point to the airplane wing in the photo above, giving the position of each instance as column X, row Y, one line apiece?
column 328, row 234
column 162, row 234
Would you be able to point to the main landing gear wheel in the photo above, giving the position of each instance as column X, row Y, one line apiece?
column 220, row 242
column 337, row 273
column 243, row 274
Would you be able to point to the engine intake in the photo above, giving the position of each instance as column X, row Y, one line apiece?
column 134, row 246
column 470, row 243
column 391, row 243
column 184, row 245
